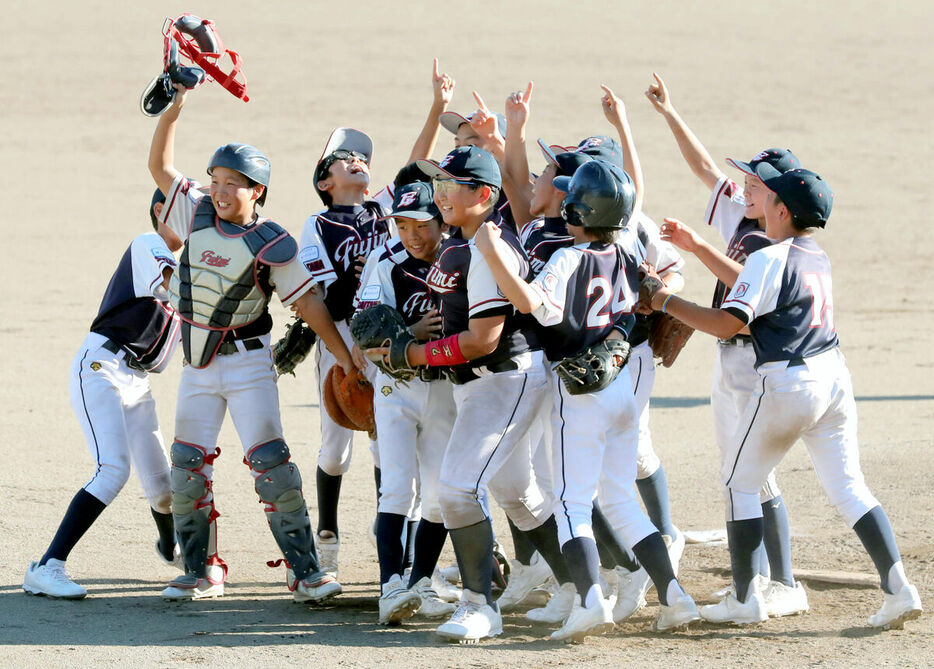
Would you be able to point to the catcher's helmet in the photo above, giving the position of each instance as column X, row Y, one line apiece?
column 245, row 159
column 599, row 195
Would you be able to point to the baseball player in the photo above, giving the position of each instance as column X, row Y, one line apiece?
column 232, row 262
column 413, row 419
column 585, row 295
column 135, row 333
column 334, row 245
column 738, row 215
column 784, row 294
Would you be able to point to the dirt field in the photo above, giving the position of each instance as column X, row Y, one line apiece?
column 846, row 86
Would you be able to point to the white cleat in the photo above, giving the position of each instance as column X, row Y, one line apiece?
column 177, row 560
column 473, row 620
column 397, row 602
column 189, row 586
column 678, row 615
column 328, row 548
column 446, row 590
column 523, row 579
column 51, row 580
column 896, row 609
column 584, row 622
column 432, row 604
column 675, row 547
column 313, row 588
column 452, row 574
column 763, row 582
column 730, row 610
column 630, row 592
column 558, row 608
column 782, row 600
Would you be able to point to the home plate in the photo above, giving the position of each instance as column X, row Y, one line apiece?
column 709, row 537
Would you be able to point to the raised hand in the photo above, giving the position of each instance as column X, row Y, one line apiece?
column 680, row 234
column 613, row 107
column 517, row 106
column 442, row 84
column 486, row 236
column 657, row 94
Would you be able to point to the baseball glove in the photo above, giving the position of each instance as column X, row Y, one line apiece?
column 593, row 368
column 667, row 336
column 294, row 347
column 354, row 395
column 649, row 284
column 329, row 397
column 381, row 326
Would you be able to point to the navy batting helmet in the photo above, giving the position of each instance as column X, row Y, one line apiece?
column 245, row 159
column 599, row 195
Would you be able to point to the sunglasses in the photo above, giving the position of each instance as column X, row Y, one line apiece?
column 345, row 154
column 450, row 185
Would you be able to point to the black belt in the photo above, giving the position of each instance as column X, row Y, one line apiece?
column 465, row 375
column 796, row 362
column 429, row 374
column 229, row 346
column 114, row 347
column 737, row 340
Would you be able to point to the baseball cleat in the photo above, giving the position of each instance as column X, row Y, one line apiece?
column 523, row 579
column 177, row 560
column 584, row 622
column 189, row 586
column 630, row 592
column 328, row 548
column 897, row 609
column 397, row 603
column 51, row 580
column 314, row 588
column 675, row 547
column 730, row 610
column 678, row 615
column 473, row 620
column 432, row 604
column 782, row 600
column 558, row 608
column 452, row 574
column 446, row 590
column 763, row 582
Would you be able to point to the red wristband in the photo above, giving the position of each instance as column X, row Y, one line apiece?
column 444, row 352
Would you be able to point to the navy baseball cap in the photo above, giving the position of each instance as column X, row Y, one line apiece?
column 807, row 196
column 781, row 159
column 415, row 201
column 157, row 197
column 451, row 121
column 565, row 159
column 465, row 164
column 603, row 148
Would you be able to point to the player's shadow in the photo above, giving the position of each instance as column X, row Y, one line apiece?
column 691, row 402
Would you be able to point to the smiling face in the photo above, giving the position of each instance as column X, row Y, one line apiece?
column 420, row 238
column 461, row 206
column 755, row 194
column 347, row 173
column 233, row 196
column 467, row 136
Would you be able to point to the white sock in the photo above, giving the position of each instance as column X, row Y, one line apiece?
column 594, row 595
column 52, row 562
column 897, row 578
column 674, row 592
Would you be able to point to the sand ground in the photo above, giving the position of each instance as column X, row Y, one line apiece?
column 846, row 86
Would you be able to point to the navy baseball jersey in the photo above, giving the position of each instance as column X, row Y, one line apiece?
column 785, row 294
column 465, row 288
column 394, row 277
column 541, row 238
column 135, row 312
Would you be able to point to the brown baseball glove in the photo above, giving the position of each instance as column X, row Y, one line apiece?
column 353, row 394
column 330, row 400
column 667, row 336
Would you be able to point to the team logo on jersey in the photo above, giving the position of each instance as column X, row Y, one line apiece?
column 417, row 304
column 740, row 289
column 348, row 250
column 550, row 282
column 214, row 260
column 95, row 366
column 386, row 391
column 442, row 282
column 408, row 198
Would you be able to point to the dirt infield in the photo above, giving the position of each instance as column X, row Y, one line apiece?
column 847, row 86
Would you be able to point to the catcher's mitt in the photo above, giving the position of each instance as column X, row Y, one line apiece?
column 294, row 347
column 354, row 395
column 381, row 326
column 667, row 336
column 594, row 368
column 329, row 398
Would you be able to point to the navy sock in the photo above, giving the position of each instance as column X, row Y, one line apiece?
column 81, row 514
column 329, row 492
column 165, row 524
column 760, row 561
column 744, row 537
column 378, row 478
column 409, row 553
column 583, row 563
column 875, row 531
column 545, row 539
column 473, row 546
column 654, row 493
column 429, row 541
column 652, row 554
column 389, row 530
column 520, row 542
column 612, row 551
column 777, row 539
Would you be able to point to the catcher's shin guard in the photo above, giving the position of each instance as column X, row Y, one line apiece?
column 192, row 505
column 279, row 486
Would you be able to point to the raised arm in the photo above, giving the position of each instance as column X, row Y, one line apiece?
column 686, row 239
column 162, row 150
column 615, row 112
column 516, row 162
column 443, row 87
column 696, row 156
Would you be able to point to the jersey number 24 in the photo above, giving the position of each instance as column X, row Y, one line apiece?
column 602, row 310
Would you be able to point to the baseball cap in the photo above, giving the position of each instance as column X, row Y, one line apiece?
column 566, row 166
column 781, row 159
column 602, row 147
column 451, row 121
column 807, row 196
column 465, row 163
column 415, row 201
column 157, row 197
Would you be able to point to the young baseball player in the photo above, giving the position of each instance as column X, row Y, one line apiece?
column 232, row 262
column 135, row 333
column 738, row 215
column 784, row 294
column 585, row 294
column 334, row 245
column 414, row 419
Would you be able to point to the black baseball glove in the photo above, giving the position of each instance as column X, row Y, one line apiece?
column 593, row 368
column 381, row 326
column 294, row 347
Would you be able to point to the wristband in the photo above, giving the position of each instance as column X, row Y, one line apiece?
column 665, row 303
column 444, row 352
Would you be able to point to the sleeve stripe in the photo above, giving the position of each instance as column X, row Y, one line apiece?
column 716, row 201
column 289, row 296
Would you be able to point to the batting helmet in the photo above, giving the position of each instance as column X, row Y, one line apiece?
column 245, row 159
column 599, row 195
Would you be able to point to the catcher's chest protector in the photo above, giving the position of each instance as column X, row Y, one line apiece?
column 219, row 285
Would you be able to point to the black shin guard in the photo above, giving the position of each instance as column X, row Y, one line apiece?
column 329, row 492
column 81, row 514
column 473, row 546
column 545, row 540
column 653, row 555
column 875, row 531
column 744, row 537
column 429, row 542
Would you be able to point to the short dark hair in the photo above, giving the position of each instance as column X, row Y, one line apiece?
column 494, row 192
column 795, row 221
column 603, row 235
